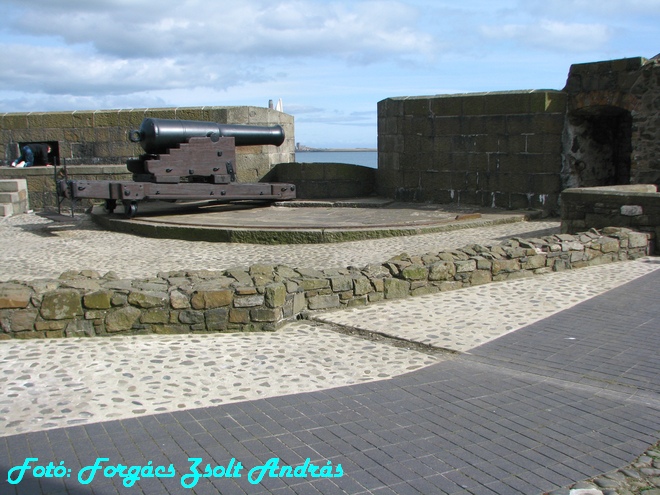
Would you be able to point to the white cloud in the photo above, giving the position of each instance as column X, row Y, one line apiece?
column 114, row 46
column 303, row 109
column 327, row 59
column 65, row 70
column 28, row 102
column 369, row 30
column 599, row 9
column 552, row 35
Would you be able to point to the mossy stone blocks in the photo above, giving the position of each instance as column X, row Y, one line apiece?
column 395, row 288
column 98, row 300
column 212, row 299
column 61, row 305
column 122, row 319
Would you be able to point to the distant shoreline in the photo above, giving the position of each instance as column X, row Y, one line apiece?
column 345, row 150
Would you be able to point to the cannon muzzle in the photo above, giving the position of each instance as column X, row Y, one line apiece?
column 158, row 135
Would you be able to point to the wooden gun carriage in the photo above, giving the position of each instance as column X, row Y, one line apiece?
column 184, row 160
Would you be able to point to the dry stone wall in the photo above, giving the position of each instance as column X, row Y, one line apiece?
column 262, row 297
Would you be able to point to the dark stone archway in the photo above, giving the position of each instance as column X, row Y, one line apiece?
column 597, row 147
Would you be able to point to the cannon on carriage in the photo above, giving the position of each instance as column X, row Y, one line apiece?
column 184, row 160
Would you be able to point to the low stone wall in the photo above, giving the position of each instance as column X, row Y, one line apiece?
column 312, row 180
column 263, row 297
column 41, row 181
column 633, row 206
column 326, row 180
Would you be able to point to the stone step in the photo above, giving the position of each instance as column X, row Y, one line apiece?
column 10, row 197
column 6, row 210
column 13, row 197
column 13, row 185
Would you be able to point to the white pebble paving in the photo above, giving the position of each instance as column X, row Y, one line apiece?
column 55, row 383
column 34, row 247
column 62, row 382
column 463, row 319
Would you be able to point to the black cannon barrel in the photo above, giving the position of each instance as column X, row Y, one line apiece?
column 157, row 135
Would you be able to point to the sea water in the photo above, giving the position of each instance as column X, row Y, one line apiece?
column 364, row 158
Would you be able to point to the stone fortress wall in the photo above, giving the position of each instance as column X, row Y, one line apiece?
column 513, row 150
column 263, row 297
column 101, row 137
column 520, row 149
column 94, row 144
column 516, row 149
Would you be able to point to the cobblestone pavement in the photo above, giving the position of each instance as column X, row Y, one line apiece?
column 33, row 247
column 57, row 383
column 489, row 421
column 463, row 319
column 75, row 381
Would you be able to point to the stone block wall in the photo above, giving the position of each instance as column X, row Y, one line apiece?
column 95, row 146
column 617, row 98
column 41, row 181
column 490, row 149
column 326, row 180
column 262, row 297
column 635, row 206
column 520, row 149
column 101, row 137
column 646, row 125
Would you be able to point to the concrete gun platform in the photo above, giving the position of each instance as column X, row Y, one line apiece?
column 301, row 221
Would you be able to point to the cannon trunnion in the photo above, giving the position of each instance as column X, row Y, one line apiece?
column 184, row 160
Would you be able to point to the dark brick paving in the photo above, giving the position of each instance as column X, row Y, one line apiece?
column 562, row 400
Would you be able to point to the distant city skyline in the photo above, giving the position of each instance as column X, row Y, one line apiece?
column 329, row 61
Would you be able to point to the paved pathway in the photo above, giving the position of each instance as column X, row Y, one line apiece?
column 568, row 397
column 463, row 319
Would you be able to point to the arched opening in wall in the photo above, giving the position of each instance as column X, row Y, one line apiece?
column 598, row 145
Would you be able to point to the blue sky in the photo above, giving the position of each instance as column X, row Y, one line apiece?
column 329, row 61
